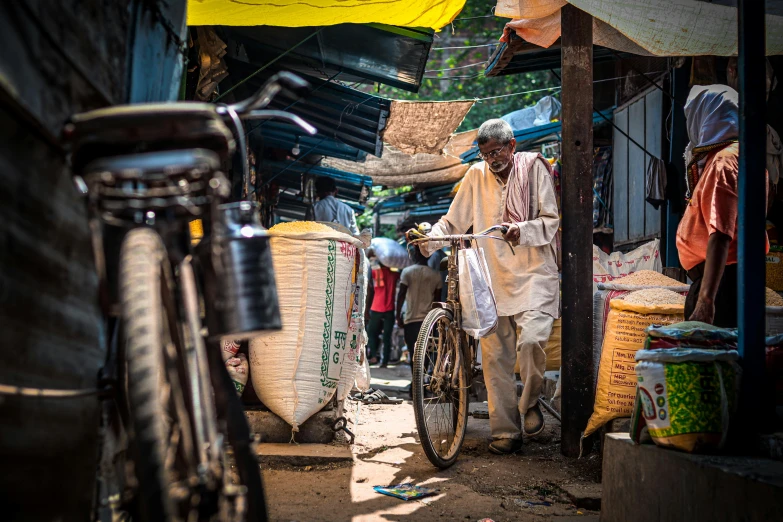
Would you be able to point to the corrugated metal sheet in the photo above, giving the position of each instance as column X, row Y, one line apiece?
column 339, row 113
column 351, row 187
column 285, row 136
column 634, row 219
column 368, row 53
column 519, row 56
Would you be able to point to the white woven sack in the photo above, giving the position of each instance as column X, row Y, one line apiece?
column 296, row 370
column 607, row 267
column 356, row 332
column 479, row 309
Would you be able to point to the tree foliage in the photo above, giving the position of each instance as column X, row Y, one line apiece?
column 461, row 79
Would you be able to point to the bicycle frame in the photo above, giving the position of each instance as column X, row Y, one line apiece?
column 465, row 344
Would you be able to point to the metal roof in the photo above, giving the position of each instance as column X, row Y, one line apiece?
column 518, row 56
column 366, row 53
column 533, row 136
column 285, row 136
column 426, row 201
column 340, row 114
column 351, row 187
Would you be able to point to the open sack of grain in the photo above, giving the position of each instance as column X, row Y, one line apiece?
column 628, row 318
column 296, row 370
column 774, row 312
column 609, row 267
column 620, row 287
column 688, row 382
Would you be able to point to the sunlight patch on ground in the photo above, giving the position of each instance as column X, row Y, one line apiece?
column 396, row 383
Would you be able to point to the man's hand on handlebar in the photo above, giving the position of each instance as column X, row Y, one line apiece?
column 511, row 233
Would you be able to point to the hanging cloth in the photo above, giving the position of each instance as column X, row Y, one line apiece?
column 774, row 155
column 656, row 182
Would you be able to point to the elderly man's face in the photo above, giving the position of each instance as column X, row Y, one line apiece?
column 497, row 155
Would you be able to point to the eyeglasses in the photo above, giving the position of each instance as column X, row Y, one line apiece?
column 494, row 154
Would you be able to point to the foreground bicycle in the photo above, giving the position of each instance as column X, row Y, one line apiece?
column 444, row 360
column 173, row 426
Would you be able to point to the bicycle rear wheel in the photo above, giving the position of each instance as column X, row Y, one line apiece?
column 440, row 394
column 164, row 451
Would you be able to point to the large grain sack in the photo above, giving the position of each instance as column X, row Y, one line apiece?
column 608, row 267
column 775, row 271
column 355, row 331
column 687, row 396
column 626, row 323
column 619, row 287
column 552, row 349
column 774, row 313
column 296, row 370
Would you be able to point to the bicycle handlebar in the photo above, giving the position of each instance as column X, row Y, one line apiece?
column 282, row 81
column 412, row 234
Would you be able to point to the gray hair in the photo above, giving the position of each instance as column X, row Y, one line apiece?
column 497, row 129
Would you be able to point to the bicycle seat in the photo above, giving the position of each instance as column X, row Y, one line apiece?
column 128, row 129
column 178, row 181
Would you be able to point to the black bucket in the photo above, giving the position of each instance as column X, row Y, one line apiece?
column 241, row 295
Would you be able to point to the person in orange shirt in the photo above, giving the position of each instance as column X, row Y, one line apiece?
column 707, row 234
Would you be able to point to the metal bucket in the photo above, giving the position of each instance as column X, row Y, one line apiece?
column 241, row 295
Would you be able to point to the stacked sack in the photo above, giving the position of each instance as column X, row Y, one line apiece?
column 774, row 312
column 640, row 280
column 296, row 371
column 688, row 384
column 627, row 321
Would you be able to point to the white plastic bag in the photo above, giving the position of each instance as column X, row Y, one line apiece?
column 479, row 309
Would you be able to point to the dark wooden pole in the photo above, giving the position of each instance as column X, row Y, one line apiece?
column 577, row 202
column 752, row 162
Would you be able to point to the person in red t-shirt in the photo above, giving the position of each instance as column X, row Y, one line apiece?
column 384, row 288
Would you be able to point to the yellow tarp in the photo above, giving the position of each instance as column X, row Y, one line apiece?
column 287, row 13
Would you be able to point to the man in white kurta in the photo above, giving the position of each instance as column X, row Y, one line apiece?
column 526, row 283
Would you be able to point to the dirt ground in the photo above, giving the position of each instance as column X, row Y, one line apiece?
column 386, row 452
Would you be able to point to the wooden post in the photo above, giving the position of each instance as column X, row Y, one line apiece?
column 577, row 204
column 754, row 405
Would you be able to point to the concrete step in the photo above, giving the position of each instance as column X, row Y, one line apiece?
column 303, row 454
column 585, row 496
column 270, row 428
column 647, row 483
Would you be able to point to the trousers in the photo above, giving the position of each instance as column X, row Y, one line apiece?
column 380, row 321
column 518, row 339
column 411, row 334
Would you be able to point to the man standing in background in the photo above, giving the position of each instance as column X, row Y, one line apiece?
column 384, row 285
column 329, row 208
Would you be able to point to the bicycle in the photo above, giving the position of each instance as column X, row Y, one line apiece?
column 444, row 359
column 172, row 423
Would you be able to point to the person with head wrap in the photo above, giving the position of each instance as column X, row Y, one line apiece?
column 707, row 234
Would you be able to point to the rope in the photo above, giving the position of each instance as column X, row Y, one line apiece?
column 463, row 47
column 267, row 64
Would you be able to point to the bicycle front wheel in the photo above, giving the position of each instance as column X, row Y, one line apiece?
column 440, row 394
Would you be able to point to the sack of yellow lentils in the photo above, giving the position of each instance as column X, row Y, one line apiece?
column 626, row 323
